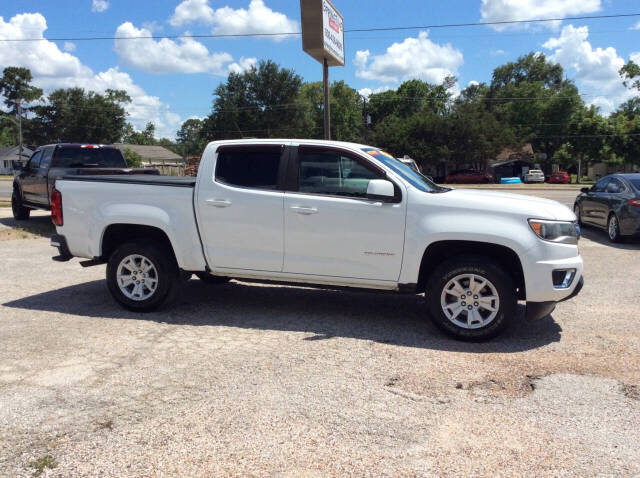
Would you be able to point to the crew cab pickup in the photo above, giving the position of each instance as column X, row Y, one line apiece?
column 33, row 184
column 329, row 214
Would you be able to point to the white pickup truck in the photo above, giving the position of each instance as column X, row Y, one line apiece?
column 329, row 214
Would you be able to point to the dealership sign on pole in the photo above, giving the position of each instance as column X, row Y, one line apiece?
column 323, row 39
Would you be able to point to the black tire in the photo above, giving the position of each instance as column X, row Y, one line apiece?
column 613, row 228
column 20, row 213
column 211, row 279
column 486, row 269
column 167, row 275
column 576, row 211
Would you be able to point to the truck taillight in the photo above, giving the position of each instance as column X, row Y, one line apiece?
column 56, row 207
column 634, row 202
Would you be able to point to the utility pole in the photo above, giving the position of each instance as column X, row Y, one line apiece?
column 327, row 111
column 19, row 102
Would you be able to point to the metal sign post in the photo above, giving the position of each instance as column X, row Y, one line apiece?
column 323, row 39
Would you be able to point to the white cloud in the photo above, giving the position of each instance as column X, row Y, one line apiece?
column 635, row 57
column 53, row 68
column 99, row 6
column 636, row 26
column 595, row 70
column 190, row 11
column 367, row 92
column 473, row 83
column 168, row 56
column 498, row 52
column 69, row 46
column 257, row 18
column 501, row 10
column 412, row 58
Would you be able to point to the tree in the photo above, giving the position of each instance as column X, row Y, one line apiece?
column 260, row 102
column 16, row 88
column 145, row 137
column 346, row 112
column 190, row 137
column 631, row 75
column 536, row 100
column 76, row 115
column 133, row 159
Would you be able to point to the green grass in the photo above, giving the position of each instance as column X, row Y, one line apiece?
column 5, row 204
column 42, row 463
column 584, row 180
column 6, row 176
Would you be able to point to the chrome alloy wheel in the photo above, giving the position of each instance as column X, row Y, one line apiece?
column 137, row 277
column 470, row 301
column 613, row 227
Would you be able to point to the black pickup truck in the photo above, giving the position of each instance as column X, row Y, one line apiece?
column 33, row 184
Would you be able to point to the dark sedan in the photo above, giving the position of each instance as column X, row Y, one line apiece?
column 612, row 204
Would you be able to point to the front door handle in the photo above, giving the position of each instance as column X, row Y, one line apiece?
column 218, row 202
column 304, row 210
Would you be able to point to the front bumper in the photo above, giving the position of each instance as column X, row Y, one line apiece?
column 538, row 310
column 60, row 242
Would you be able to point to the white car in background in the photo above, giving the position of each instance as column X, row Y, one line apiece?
column 534, row 176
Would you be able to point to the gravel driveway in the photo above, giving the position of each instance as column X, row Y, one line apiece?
column 245, row 379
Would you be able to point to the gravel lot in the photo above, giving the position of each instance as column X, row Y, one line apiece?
column 242, row 379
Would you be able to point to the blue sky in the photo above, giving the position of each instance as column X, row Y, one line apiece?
column 172, row 80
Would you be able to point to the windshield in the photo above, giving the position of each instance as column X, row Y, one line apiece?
column 76, row 157
column 413, row 177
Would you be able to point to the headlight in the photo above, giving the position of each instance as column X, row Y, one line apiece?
column 563, row 232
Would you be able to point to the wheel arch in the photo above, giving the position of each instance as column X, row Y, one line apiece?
column 439, row 252
column 117, row 234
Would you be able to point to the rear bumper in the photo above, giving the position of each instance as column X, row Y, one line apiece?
column 538, row 310
column 60, row 242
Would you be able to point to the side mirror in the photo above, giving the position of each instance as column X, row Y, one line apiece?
column 381, row 189
column 585, row 190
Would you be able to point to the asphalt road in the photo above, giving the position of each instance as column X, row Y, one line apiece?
column 6, row 186
column 263, row 380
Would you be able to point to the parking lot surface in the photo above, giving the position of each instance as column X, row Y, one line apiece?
column 265, row 380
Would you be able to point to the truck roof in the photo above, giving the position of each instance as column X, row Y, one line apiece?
column 315, row 142
column 80, row 145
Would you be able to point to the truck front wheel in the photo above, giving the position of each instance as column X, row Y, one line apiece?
column 471, row 298
column 141, row 276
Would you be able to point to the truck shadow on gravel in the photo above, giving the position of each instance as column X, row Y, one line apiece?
column 323, row 314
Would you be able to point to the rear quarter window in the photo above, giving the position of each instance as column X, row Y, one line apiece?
column 251, row 167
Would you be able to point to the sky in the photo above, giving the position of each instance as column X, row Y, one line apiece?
column 171, row 80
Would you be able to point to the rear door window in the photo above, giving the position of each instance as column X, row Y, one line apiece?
column 77, row 157
column 45, row 162
column 250, row 167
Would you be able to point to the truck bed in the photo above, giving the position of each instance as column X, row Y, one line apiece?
column 147, row 179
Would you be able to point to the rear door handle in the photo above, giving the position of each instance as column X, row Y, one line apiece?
column 218, row 202
column 304, row 210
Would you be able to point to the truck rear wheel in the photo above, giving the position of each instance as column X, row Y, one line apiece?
column 20, row 213
column 141, row 276
column 471, row 298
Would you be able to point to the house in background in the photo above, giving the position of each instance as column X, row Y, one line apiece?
column 599, row 170
column 158, row 157
column 10, row 159
column 510, row 163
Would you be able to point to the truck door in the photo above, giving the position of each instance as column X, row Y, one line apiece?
column 28, row 175
column 331, row 227
column 41, row 186
column 240, row 208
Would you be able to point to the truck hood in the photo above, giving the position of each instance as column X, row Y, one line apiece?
column 529, row 206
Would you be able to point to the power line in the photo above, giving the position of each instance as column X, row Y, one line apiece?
column 353, row 30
